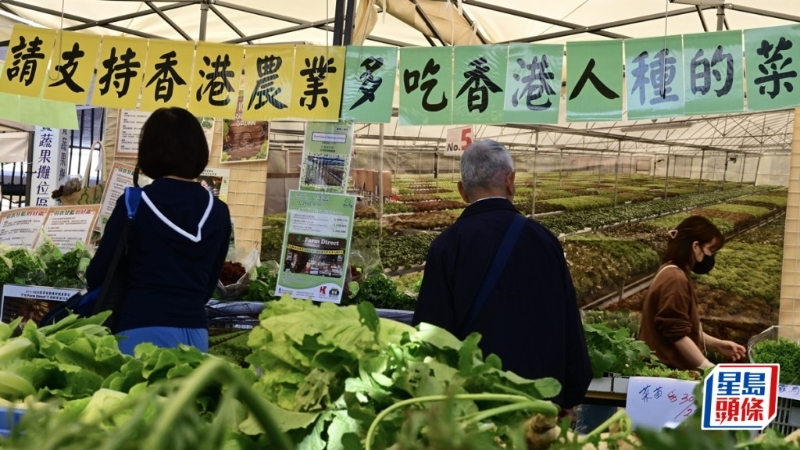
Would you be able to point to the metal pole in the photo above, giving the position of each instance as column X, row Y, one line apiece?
column 720, row 18
column 666, row 173
column 755, row 178
column 535, row 152
column 380, row 182
column 616, row 173
column 700, row 181
column 348, row 22
column 630, row 167
column 29, row 170
column 338, row 22
column 560, row 166
column 744, row 161
column 203, row 19
column 725, row 171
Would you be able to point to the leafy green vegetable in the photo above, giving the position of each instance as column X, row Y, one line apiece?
column 614, row 351
column 783, row 352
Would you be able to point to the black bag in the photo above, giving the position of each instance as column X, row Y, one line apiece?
column 109, row 296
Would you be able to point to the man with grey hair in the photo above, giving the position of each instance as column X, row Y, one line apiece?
column 504, row 276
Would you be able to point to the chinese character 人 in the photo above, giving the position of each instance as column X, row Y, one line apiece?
column 478, row 86
column 411, row 82
column 589, row 75
column 29, row 54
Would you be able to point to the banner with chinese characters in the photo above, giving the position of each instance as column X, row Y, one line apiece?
column 594, row 81
column 713, row 70
column 479, row 73
column 268, row 76
column 653, row 69
column 164, row 85
column 327, row 151
column 773, row 67
column 215, row 81
column 29, row 52
column 533, row 83
column 318, row 78
column 119, row 72
column 72, row 67
column 369, row 79
column 50, row 148
column 426, row 86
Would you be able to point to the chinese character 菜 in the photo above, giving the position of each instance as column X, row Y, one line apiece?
column 645, row 393
column 166, row 77
column 662, row 73
column 120, row 69
column 588, row 75
column 478, row 86
column 317, row 69
column 68, row 67
column 369, row 82
column 218, row 80
column 772, row 72
column 537, row 84
column 411, row 82
column 701, row 80
column 29, row 54
column 267, row 68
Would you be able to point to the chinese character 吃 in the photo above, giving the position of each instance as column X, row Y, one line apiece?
column 68, row 67
column 411, row 82
column 588, row 75
column 315, row 72
column 537, row 84
column 218, row 80
column 478, row 86
column 369, row 81
column 166, row 77
column 700, row 81
column 774, row 74
column 267, row 68
column 119, row 69
column 28, row 53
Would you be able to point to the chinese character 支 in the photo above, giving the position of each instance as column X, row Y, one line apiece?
column 68, row 67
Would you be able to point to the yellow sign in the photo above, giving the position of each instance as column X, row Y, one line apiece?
column 26, row 63
column 72, row 67
column 119, row 72
column 215, row 80
column 268, row 82
column 167, row 74
column 318, row 81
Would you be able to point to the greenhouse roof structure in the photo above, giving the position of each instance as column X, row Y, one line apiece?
column 446, row 22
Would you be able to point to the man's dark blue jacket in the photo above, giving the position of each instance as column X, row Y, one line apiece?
column 531, row 319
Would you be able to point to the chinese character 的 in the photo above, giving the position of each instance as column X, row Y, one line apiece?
column 68, row 67
column 265, row 90
column 772, row 73
column 119, row 68
column 700, row 81
column 369, row 82
column 28, row 53
column 662, row 74
column 537, row 84
column 218, row 80
column 317, row 69
column 588, row 75
column 411, row 82
column 166, row 77
column 478, row 86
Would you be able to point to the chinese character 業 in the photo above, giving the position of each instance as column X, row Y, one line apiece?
column 28, row 53
column 265, row 90
column 119, row 69
column 729, row 383
column 218, row 81
column 68, row 67
column 478, row 85
column 772, row 73
column 411, row 82
column 700, row 81
column 166, row 77
column 369, row 82
column 537, row 84
column 315, row 72
column 588, row 75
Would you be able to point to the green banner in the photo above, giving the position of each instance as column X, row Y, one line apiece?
column 773, row 67
column 479, row 72
column 426, row 86
column 327, row 151
column 533, row 83
column 594, row 81
column 369, row 78
column 654, row 77
column 713, row 72
column 316, row 245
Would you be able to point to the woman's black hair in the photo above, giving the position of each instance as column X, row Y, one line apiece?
column 172, row 143
column 690, row 230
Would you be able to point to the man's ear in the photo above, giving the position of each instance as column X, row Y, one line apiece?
column 463, row 192
column 510, row 188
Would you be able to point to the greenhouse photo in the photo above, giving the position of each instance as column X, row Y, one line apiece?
column 399, row 224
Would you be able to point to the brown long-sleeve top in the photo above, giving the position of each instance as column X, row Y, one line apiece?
column 670, row 313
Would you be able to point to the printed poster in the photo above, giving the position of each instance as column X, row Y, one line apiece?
column 268, row 76
column 120, row 177
column 119, row 72
column 20, row 227
column 71, row 75
column 129, row 130
column 216, row 181
column 29, row 52
column 327, row 151
column 316, row 245
column 30, row 302
column 244, row 140
column 479, row 75
column 66, row 225
column 533, row 83
column 50, row 149
column 426, row 86
column 166, row 75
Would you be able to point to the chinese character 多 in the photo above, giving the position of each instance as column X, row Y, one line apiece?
column 478, row 86
column 589, row 75
column 68, row 67
column 701, row 69
column 537, row 83
column 773, row 73
column 119, row 71
column 219, row 84
column 369, row 81
column 166, row 77
column 29, row 54
column 266, row 92
column 730, row 383
column 661, row 75
column 317, row 69
column 412, row 79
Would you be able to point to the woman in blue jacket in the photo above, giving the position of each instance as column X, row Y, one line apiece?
column 177, row 244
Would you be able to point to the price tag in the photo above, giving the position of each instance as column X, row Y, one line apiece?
column 659, row 402
column 790, row 391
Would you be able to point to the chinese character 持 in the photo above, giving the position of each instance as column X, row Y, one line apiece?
column 166, row 77
column 411, row 82
column 478, row 86
column 29, row 53
column 537, row 84
column 265, row 90
column 120, row 69
column 317, row 69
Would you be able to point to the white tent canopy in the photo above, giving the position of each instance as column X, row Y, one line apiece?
column 432, row 22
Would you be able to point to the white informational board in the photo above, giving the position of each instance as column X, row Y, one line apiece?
column 790, row 391
column 458, row 139
column 67, row 225
column 20, row 227
column 659, row 402
column 121, row 176
column 129, row 128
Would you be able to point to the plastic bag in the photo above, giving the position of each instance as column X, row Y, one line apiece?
column 237, row 290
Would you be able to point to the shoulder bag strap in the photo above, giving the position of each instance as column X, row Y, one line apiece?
column 498, row 264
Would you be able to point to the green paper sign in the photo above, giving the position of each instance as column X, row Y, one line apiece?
column 773, row 67
column 713, row 72
column 533, row 83
column 479, row 74
column 369, row 78
column 594, row 81
column 654, row 77
column 316, row 245
column 426, row 86
column 327, row 151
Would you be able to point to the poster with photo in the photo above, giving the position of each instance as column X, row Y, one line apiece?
column 327, row 151
column 216, row 181
column 316, row 245
column 244, row 140
column 208, row 129
column 30, row 302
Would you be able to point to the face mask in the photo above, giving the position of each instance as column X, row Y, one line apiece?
column 704, row 266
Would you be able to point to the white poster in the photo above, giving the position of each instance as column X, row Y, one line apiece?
column 659, row 402
column 120, row 177
column 129, row 127
column 67, row 225
column 20, row 227
column 48, row 146
column 14, row 147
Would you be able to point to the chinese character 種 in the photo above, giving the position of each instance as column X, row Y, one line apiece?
column 729, row 383
column 645, row 393
column 265, row 90
column 42, row 188
column 661, row 73
column 772, row 72
column 44, row 156
column 44, row 172
column 317, row 69
column 28, row 53
column 369, row 82
column 119, row 72
column 68, row 67
column 537, row 84
column 755, row 383
column 166, row 77
column 218, row 81
column 588, row 75
column 478, row 86
column 411, row 82
column 700, row 81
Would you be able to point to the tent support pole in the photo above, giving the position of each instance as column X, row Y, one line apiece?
column 744, row 161
column 616, row 173
column 338, row 20
column 380, row 184
column 700, row 181
column 560, row 166
column 203, row 19
column 755, row 178
column 535, row 153
column 348, row 22
column 666, row 173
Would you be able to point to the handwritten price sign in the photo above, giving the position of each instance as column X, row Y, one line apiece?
column 659, row 402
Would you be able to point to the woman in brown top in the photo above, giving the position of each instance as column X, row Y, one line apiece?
column 670, row 316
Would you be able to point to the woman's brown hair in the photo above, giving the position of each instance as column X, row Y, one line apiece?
column 692, row 229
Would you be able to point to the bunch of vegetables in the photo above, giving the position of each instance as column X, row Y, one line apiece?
column 47, row 266
column 781, row 351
